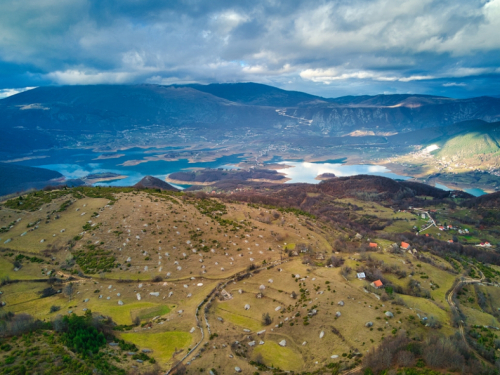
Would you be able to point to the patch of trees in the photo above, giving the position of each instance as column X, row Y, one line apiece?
column 443, row 353
column 79, row 335
column 442, row 248
column 16, row 324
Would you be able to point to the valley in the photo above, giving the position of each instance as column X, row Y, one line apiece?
column 139, row 130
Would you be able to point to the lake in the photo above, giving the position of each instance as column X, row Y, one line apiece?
column 77, row 163
column 299, row 171
column 474, row 191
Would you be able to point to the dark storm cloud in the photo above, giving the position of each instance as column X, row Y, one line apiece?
column 331, row 48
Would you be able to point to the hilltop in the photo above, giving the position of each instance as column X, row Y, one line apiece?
column 150, row 182
column 263, row 277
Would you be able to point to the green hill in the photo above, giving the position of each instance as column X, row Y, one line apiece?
column 482, row 140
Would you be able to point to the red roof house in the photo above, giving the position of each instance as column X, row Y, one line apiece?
column 377, row 284
column 405, row 245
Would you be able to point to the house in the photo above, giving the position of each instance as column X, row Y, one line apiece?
column 373, row 244
column 377, row 284
column 484, row 244
column 450, row 241
column 405, row 245
column 361, row 275
column 441, row 227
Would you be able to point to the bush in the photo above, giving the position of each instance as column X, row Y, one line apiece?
column 335, row 261
column 266, row 319
column 47, row 292
column 405, row 358
column 54, row 308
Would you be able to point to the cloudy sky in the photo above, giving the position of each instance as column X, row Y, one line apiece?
column 329, row 48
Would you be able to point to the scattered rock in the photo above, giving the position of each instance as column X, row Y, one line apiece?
column 282, row 343
column 237, row 369
column 368, row 324
column 120, row 302
column 389, row 314
column 321, row 334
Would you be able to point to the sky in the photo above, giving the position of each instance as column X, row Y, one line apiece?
column 327, row 48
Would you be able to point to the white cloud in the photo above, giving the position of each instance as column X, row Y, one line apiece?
column 365, row 42
column 334, row 74
column 4, row 93
column 78, row 77
column 454, row 84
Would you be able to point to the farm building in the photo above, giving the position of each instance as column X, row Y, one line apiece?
column 377, row 284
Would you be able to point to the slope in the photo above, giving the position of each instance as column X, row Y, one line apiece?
column 16, row 178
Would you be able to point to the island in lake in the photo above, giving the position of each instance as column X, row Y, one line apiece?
column 325, row 176
column 101, row 177
column 210, row 176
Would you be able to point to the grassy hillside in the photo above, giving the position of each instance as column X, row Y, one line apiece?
column 215, row 283
column 477, row 143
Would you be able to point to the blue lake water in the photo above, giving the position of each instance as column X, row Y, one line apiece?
column 76, row 163
column 307, row 172
column 474, row 191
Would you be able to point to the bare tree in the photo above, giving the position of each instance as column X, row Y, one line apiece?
column 69, row 290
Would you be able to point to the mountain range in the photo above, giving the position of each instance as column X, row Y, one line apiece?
column 64, row 116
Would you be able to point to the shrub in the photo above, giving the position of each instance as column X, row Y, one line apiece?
column 266, row 319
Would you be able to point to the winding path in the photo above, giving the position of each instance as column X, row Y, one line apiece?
column 190, row 356
column 453, row 306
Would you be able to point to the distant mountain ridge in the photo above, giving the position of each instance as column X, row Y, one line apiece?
column 93, row 115
column 16, row 178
